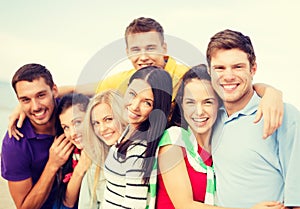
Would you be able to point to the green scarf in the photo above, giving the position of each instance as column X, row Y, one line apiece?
column 186, row 139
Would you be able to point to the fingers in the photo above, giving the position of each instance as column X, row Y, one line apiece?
column 60, row 151
column 273, row 117
column 269, row 205
column 272, row 203
column 272, row 121
column 11, row 127
column 21, row 119
column 17, row 134
column 14, row 116
column 14, row 132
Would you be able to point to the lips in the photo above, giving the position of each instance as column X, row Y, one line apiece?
column 39, row 114
column 144, row 65
column 229, row 87
column 133, row 115
column 107, row 136
column 77, row 142
column 200, row 121
column 78, row 139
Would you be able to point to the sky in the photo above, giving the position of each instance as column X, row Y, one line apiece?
column 66, row 35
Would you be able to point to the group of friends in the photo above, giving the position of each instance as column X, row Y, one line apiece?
column 174, row 137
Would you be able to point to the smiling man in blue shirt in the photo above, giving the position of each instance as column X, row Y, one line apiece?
column 248, row 168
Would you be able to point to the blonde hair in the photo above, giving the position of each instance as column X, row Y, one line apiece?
column 95, row 147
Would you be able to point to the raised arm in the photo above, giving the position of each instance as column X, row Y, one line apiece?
column 17, row 117
column 88, row 89
column 24, row 194
column 271, row 107
column 15, row 121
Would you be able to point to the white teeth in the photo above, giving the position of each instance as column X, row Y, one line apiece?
column 145, row 65
column 39, row 114
column 229, row 87
column 107, row 135
column 78, row 139
column 200, row 119
column 132, row 114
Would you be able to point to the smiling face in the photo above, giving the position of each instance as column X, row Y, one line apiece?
column 104, row 124
column 71, row 121
column 146, row 49
column 232, row 77
column 37, row 101
column 200, row 106
column 139, row 101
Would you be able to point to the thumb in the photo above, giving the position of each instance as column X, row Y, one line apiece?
column 258, row 115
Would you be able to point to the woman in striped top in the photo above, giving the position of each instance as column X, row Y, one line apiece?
column 129, row 163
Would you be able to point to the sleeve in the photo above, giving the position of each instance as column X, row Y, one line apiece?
column 136, row 191
column 15, row 159
column 173, row 135
column 289, row 155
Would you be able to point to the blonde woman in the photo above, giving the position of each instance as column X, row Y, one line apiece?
column 104, row 124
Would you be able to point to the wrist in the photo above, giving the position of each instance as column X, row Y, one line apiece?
column 79, row 171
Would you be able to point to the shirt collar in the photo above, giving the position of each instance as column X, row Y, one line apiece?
column 249, row 109
column 29, row 133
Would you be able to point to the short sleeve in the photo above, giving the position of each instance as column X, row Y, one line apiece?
column 15, row 159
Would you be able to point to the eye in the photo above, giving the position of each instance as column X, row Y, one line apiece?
column 25, row 100
column 135, row 50
column 147, row 103
column 151, row 48
column 209, row 102
column 95, row 123
column 218, row 68
column 131, row 94
column 41, row 95
column 65, row 128
column 108, row 119
column 189, row 102
column 77, row 122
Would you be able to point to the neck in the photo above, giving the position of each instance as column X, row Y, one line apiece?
column 48, row 128
column 204, row 140
column 237, row 105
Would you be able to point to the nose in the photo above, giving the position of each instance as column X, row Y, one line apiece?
column 102, row 127
column 134, row 104
column 199, row 108
column 143, row 56
column 35, row 105
column 73, row 132
column 229, row 74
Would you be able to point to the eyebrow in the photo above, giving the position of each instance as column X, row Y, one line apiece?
column 206, row 99
column 26, row 97
column 79, row 117
column 108, row 116
column 147, row 99
column 217, row 66
column 138, row 47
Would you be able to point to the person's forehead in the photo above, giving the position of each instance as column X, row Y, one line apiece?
column 145, row 38
column 228, row 55
column 27, row 88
